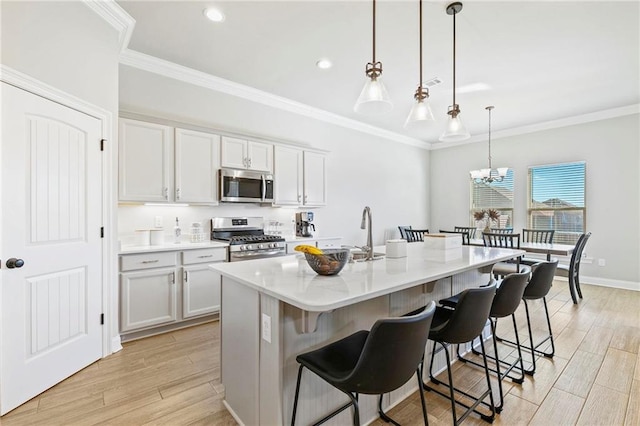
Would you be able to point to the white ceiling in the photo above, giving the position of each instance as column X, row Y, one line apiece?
column 540, row 60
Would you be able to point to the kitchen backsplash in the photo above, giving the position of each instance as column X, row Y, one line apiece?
column 132, row 218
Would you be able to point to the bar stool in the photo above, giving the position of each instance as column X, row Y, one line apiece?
column 505, row 303
column 538, row 288
column 373, row 363
column 461, row 325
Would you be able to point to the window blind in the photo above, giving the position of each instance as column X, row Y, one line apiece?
column 557, row 199
column 495, row 195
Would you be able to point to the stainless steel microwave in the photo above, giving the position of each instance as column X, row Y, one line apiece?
column 243, row 186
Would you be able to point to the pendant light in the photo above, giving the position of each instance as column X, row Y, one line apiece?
column 373, row 99
column 421, row 111
column 455, row 129
column 489, row 175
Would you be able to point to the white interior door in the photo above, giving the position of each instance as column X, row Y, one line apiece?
column 51, row 194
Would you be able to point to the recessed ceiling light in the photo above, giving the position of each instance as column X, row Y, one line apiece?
column 214, row 14
column 324, row 64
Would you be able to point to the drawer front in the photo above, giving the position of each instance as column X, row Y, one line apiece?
column 204, row 255
column 147, row 260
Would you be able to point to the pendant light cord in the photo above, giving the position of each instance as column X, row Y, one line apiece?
column 374, row 31
column 420, row 46
column 489, row 108
column 454, row 56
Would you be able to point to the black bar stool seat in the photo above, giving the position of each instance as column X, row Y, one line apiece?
column 371, row 362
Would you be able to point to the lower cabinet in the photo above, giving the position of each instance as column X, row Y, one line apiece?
column 161, row 289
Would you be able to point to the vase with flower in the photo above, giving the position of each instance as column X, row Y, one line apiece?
column 486, row 218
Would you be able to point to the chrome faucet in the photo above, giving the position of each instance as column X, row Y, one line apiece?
column 366, row 213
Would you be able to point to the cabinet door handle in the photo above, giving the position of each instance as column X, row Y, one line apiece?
column 166, row 193
column 205, row 256
column 177, row 193
column 150, row 261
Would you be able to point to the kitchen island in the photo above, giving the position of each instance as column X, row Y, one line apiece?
column 274, row 309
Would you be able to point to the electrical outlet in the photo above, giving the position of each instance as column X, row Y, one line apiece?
column 266, row 327
column 158, row 222
column 602, row 262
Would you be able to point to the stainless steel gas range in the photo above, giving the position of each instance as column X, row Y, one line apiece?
column 246, row 238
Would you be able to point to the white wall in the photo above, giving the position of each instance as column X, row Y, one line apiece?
column 363, row 170
column 612, row 154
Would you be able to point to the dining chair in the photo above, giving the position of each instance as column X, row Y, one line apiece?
column 402, row 229
column 471, row 232
column 505, row 240
column 572, row 270
column 372, row 362
column 465, row 235
column 501, row 230
column 415, row 235
column 536, row 236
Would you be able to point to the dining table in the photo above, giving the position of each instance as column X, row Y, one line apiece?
column 550, row 249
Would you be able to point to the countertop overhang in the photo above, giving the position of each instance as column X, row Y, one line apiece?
column 291, row 280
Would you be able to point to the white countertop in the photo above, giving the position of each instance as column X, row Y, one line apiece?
column 291, row 280
column 172, row 246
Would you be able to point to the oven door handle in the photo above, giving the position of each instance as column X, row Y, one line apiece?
column 257, row 253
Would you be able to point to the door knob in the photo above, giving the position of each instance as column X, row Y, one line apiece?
column 14, row 263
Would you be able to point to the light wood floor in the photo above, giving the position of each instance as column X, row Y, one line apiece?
column 174, row 378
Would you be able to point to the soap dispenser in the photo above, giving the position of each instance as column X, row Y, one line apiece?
column 176, row 232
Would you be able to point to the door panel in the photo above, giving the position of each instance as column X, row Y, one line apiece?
column 51, row 193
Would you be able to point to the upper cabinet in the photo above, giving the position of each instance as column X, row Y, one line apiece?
column 161, row 164
column 197, row 161
column 287, row 177
column 245, row 154
column 145, row 163
column 299, row 177
column 315, row 179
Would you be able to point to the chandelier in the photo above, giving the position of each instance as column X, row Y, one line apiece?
column 489, row 175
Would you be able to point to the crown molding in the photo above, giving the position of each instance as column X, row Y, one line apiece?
column 547, row 125
column 189, row 75
column 115, row 16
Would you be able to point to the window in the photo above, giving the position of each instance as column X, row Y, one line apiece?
column 495, row 195
column 556, row 200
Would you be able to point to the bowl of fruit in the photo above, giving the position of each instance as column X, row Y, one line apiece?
column 324, row 262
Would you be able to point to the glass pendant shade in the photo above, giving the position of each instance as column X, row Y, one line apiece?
column 420, row 114
column 373, row 99
column 455, row 131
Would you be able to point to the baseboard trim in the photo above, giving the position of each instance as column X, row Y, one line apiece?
column 606, row 282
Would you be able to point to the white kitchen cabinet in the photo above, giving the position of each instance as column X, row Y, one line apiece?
column 287, row 176
column 299, row 177
column 245, row 154
column 145, row 163
column 163, row 290
column 201, row 285
column 315, row 179
column 197, row 161
column 164, row 164
column 148, row 290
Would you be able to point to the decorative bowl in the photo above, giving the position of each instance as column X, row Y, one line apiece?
column 330, row 262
